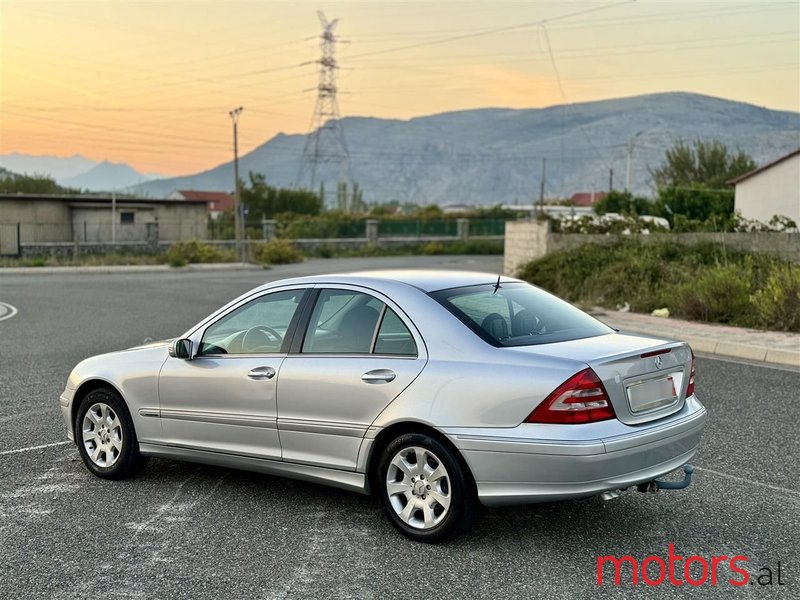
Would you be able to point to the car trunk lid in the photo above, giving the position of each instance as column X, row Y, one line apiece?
column 645, row 378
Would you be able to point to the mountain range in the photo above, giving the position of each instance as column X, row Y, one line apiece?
column 77, row 171
column 481, row 156
column 494, row 155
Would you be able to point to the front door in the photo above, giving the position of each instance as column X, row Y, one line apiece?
column 224, row 399
column 357, row 355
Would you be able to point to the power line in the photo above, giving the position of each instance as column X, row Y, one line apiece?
column 491, row 31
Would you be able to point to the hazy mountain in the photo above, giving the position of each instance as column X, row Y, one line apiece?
column 495, row 155
column 105, row 176
column 54, row 166
column 77, row 171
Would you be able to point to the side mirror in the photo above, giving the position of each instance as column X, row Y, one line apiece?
column 181, row 349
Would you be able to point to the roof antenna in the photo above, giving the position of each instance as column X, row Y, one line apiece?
column 496, row 286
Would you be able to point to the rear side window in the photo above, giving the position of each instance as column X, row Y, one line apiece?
column 394, row 337
column 518, row 314
column 349, row 322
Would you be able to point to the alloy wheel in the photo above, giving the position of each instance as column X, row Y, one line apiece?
column 418, row 487
column 102, row 435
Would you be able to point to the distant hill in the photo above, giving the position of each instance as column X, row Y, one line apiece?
column 106, row 176
column 76, row 171
column 56, row 167
column 493, row 155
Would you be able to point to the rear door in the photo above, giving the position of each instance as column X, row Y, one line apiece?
column 357, row 353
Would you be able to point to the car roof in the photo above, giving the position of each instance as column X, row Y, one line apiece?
column 427, row 280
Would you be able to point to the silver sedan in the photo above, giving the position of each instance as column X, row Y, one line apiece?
column 436, row 391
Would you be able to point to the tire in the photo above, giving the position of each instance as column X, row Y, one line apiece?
column 105, row 436
column 431, row 503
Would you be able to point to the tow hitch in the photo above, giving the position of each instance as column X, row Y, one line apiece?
column 656, row 484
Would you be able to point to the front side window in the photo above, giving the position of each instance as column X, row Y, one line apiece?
column 258, row 327
column 518, row 314
column 348, row 322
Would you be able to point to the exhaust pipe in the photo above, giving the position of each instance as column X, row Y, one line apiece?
column 609, row 495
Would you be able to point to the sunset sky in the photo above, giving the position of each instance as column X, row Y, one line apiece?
column 151, row 83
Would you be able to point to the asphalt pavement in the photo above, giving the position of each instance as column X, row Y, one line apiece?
column 192, row 531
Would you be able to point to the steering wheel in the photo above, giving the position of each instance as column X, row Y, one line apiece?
column 250, row 340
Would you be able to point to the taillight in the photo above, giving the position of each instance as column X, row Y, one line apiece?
column 580, row 399
column 690, row 387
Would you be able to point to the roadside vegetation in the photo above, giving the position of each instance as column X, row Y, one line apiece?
column 703, row 282
column 275, row 252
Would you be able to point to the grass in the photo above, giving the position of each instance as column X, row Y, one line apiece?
column 705, row 282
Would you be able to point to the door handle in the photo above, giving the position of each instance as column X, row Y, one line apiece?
column 378, row 376
column 261, row 373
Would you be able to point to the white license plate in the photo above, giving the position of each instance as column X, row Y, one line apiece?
column 652, row 394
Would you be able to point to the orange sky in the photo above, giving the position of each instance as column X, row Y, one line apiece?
column 151, row 84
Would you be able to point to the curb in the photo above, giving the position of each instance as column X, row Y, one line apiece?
column 732, row 349
column 129, row 269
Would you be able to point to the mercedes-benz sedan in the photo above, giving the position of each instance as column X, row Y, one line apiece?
column 436, row 391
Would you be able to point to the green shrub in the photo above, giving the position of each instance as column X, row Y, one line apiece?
column 475, row 247
column 706, row 281
column 777, row 304
column 432, row 248
column 277, row 252
column 193, row 251
column 720, row 294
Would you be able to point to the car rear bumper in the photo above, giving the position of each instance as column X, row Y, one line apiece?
column 534, row 463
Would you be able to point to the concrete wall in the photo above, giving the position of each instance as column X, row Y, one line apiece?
column 525, row 241
column 775, row 191
column 93, row 223
column 40, row 220
column 529, row 240
column 182, row 221
column 45, row 221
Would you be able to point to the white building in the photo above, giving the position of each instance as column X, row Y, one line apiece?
column 773, row 189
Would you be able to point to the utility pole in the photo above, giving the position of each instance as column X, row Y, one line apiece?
column 237, row 199
column 630, row 154
column 325, row 142
column 541, row 186
column 610, row 180
column 113, row 218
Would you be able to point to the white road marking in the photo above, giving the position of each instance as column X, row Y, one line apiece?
column 777, row 488
column 9, row 310
column 20, row 450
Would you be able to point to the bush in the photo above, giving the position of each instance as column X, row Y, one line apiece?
column 778, row 302
column 706, row 281
column 182, row 253
column 277, row 252
column 721, row 294
column 432, row 248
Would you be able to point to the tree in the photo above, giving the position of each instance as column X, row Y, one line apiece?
column 704, row 164
column 265, row 201
column 11, row 183
column 691, row 208
column 357, row 204
column 623, row 203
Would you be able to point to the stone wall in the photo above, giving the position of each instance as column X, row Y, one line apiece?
column 529, row 240
column 524, row 241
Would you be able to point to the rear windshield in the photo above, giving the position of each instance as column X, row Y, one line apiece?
column 518, row 314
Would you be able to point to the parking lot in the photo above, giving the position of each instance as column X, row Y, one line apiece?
column 192, row 531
